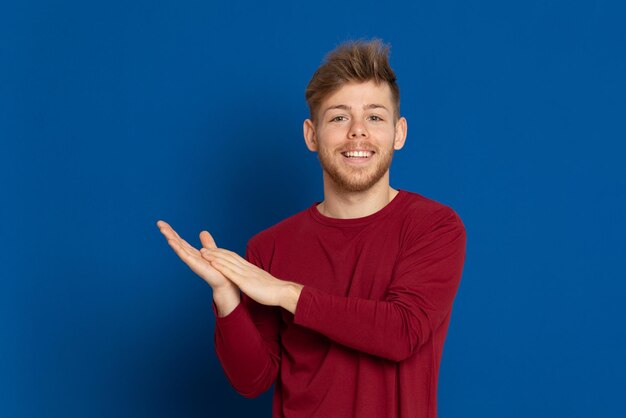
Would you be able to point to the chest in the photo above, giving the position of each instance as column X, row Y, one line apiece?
column 356, row 263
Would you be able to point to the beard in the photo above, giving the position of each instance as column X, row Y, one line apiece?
column 355, row 178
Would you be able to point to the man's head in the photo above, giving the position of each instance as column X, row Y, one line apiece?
column 355, row 124
column 352, row 62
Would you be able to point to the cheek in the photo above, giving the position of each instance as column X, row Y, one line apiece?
column 382, row 136
column 331, row 138
column 383, row 131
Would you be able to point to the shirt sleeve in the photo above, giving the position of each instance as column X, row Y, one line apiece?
column 419, row 298
column 247, row 343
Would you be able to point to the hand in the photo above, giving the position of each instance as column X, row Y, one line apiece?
column 252, row 280
column 191, row 256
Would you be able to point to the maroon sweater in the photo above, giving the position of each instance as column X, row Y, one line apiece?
column 369, row 328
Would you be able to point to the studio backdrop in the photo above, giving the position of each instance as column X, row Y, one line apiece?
column 114, row 115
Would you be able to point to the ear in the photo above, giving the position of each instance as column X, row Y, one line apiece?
column 310, row 136
column 401, row 129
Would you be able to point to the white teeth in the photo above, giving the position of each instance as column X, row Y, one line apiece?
column 360, row 154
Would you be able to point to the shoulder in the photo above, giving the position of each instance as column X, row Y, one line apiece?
column 430, row 230
column 265, row 239
column 422, row 214
column 419, row 207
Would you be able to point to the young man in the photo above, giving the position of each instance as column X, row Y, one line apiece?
column 344, row 306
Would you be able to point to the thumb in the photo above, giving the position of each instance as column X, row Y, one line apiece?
column 207, row 240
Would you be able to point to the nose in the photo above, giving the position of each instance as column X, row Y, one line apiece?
column 357, row 130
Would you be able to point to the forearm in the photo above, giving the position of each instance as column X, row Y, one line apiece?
column 381, row 328
column 250, row 362
column 388, row 329
column 418, row 300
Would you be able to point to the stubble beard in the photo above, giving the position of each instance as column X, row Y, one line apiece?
column 354, row 178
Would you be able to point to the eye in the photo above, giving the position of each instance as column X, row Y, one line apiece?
column 376, row 118
column 338, row 118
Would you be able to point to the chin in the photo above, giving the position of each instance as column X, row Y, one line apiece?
column 355, row 179
column 350, row 184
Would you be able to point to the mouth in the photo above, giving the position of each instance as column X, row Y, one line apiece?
column 357, row 156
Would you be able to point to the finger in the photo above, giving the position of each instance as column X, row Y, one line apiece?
column 169, row 233
column 225, row 255
column 228, row 252
column 179, row 249
column 230, row 255
column 231, row 271
column 222, row 261
column 207, row 240
column 175, row 237
column 208, row 254
column 190, row 257
column 167, row 229
column 188, row 246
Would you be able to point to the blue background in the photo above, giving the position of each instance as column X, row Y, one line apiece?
column 116, row 114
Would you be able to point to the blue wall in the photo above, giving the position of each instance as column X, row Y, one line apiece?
column 114, row 115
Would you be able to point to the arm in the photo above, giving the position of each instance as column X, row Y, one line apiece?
column 246, row 333
column 420, row 297
column 417, row 301
column 247, row 344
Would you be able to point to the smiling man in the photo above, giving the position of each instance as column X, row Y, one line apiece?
column 345, row 305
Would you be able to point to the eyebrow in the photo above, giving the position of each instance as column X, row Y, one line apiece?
column 366, row 107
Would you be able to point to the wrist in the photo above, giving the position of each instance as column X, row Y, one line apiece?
column 226, row 299
column 290, row 296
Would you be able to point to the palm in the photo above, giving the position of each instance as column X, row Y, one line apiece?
column 192, row 257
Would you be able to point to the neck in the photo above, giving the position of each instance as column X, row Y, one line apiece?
column 346, row 205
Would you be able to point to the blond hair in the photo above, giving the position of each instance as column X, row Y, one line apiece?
column 352, row 61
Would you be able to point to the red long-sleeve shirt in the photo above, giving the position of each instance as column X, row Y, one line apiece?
column 369, row 327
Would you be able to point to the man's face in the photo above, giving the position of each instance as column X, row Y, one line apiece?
column 356, row 134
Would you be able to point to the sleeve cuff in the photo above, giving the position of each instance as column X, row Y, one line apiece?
column 303, row 306
column 236, row 313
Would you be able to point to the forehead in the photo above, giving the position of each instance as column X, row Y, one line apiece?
column 359, row 94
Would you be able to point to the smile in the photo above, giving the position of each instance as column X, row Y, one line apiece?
column 357, row 154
